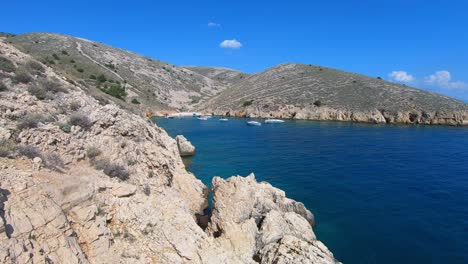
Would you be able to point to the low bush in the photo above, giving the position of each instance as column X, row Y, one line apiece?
column 116, row 91
column 29, row 151
column 101, row 78
column 135, row 101
column 7, row 148
column 32, row 121
column 64, row 52
column 55, row 56
column 3, row 87
column 53, row 161
column 92, row 152
column 34, row 67
column 92, row 77
column 65, row 127
column 53, row 86
column 23, row 77
column 318, row 103
column 80, row 70
column 75, row 105
column 80, row 120
column 72, row 61
column 6, row 65
column 247, row 103
column 38, row 91
column 111, row 170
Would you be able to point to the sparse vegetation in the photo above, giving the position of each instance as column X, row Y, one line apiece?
column 92, row 77
column 116, row 91
column 34, row 67
column 23, row 77
column 6, row 65
column 247, row 103
column 379, row 78
column 80, row 120
column 64, row 52
column 75, row 105
column 147, row 190
column 65, row 127
column 101, row 78
column 53, row 86
column 3, row 87
column 55, row 56
column 32, row 121
column 29, row 151
column 80, row 70
column 38, row 91
column 318, row 103
column 7, row 148
column 92, row 152
column 53, row 161
column 72, row 61
column 111, row 170
column 135, row 101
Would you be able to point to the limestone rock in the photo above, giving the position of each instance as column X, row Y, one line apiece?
column 185, row 147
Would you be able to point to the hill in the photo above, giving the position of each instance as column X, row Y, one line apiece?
column 125, row 76
column 302, row 91
column 225, row 75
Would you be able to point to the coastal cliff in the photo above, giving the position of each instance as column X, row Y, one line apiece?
column 86, row 181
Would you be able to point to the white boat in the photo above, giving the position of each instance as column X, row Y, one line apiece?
column 273, row 121
column 223, row 119
column 202, row 118
column 253, row 123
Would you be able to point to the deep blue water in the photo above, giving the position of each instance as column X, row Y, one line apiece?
column 380, row 193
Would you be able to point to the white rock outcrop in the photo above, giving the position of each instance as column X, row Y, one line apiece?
column 186, row 148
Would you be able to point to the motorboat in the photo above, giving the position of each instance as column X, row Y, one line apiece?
column 203, row 118
column 253, row 123
column 223, row 119
column 273, row 121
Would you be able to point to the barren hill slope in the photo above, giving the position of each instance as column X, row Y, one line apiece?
column 311, row 92
column 155, row 84
column 220, row 74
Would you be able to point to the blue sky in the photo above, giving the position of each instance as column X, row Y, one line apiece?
column 421, row 43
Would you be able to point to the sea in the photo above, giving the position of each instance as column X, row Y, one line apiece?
column 379, row 193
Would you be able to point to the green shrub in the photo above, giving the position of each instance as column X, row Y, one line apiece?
column 29, row 151
column 53, row 161
column 55, row 56
column 111, row 170
column 80, row 70
column 23, row 77
column 3, row 87
column 38, row 91
column 6, row 65
column 92, row 77
column 65, row 127
column 53, row 86
column 34, row 67
column 32, row 121
column 72, row 61
column 116, row 91
column 7, row 148
column 247, row 103
column 379, row 78
column 92, row 152
column 80, row 120
column 318, row 103
column 101, row 78
column 64, row 52
column 75, row 105
column 135, row 101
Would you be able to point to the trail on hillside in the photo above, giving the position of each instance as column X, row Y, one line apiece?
column 78, row 47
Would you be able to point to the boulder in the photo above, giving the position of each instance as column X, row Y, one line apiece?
column 186, row 148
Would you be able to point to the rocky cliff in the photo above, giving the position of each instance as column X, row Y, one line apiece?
column 85, row 181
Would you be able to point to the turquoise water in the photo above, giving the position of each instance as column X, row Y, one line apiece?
column 380, row 193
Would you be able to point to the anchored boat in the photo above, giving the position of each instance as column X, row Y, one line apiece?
column 253, row 123
column 273, row 121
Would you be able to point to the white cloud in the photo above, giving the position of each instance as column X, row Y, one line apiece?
column 401, row 76
column 230, row 44
column 443, row 79
column 213, row 24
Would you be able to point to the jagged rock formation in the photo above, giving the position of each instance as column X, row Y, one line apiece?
column 185, row 147
column 299, row 91
column 85, row 181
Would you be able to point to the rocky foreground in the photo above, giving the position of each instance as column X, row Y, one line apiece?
column 84, row 181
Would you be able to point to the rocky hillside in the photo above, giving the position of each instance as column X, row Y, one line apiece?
column 224, row 75
column 86, row 181
column 117, row 74
column 311, row 92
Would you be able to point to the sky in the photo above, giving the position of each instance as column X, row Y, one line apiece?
column 422, row 43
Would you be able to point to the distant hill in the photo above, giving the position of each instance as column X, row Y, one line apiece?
column 152, row 83
column 225, row 75
column 312, row 92
column 296, row 91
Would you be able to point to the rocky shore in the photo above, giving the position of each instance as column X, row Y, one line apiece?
column 85, row 181
column 454, row 118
